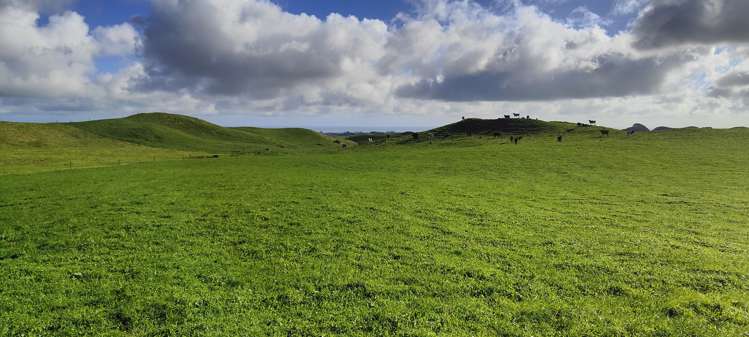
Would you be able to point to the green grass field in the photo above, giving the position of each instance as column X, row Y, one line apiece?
column 645, row 235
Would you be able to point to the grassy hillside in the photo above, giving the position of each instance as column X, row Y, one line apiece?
column 474, row 127
column 29, row 147
column 646, row 235
column 187, row 133
column 514, row 126
column 294, row 138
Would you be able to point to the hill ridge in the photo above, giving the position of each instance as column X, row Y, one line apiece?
column 166, row 130
column 500, row 125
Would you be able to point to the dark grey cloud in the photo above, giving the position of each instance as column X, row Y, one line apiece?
column 189, row 44
column 614, row 76
column 734, row 80
column 733, row 94
column 733, row 86
column 675, row 22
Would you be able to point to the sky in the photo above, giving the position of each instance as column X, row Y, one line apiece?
column 388, row 64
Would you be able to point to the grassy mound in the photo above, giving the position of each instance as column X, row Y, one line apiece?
column 478, row 127
column 30, row 147
column 188, row 133
column 291, row 137
column 503, row 126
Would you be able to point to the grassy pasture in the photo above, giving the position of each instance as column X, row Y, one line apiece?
column 620, row 236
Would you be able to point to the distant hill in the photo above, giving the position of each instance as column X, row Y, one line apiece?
column 637, row 127
column 504, row 126
column 187, row 133
column 159, row 130
column 30, row 147
column 479, row 127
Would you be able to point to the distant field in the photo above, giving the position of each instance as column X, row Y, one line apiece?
column 645, row 235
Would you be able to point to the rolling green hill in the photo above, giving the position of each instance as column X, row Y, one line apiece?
column 28, row 147
column 504, row 126
column 188, row 133
column 482, row 127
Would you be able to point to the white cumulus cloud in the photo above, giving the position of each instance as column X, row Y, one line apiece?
column 438, row 61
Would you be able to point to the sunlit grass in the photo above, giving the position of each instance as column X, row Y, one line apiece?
column 643, row 236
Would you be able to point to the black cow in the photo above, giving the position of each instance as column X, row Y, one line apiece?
column 559, row 138
column 605, row 133
column 592, row 122
column 516, row 115
column 507, row 116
